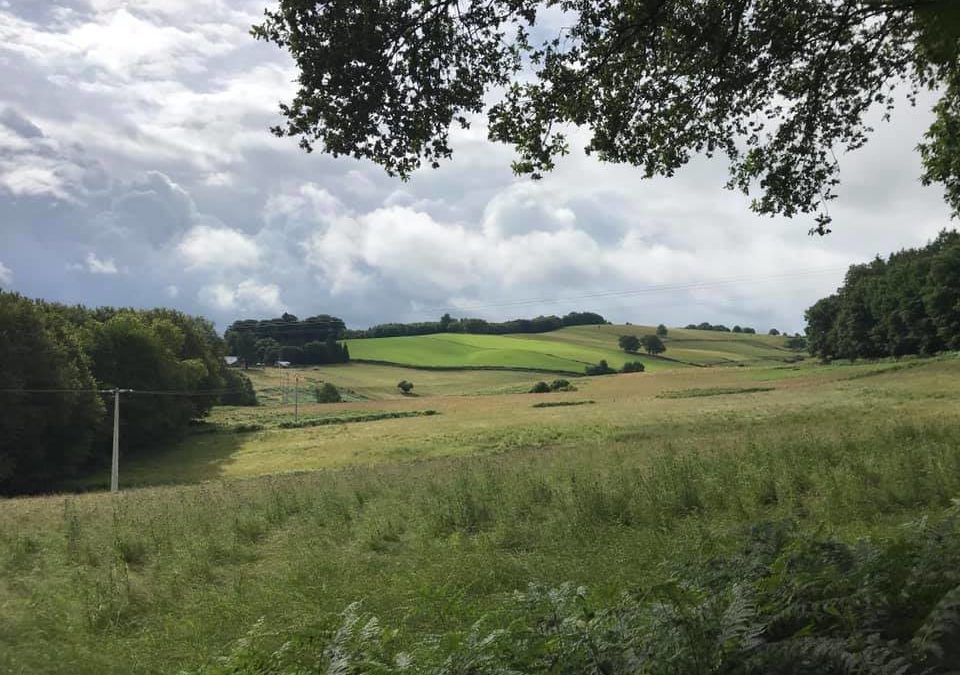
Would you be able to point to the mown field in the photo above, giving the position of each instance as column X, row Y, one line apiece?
column 432, row 522
column 569, row 350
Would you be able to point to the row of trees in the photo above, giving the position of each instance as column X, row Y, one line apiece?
column 309, row 342
column 652, row 344
column 723, row 329
column 448, row 324
column 906, row 304
column 55, row 360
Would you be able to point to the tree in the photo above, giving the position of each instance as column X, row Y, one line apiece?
column 737, row 329
column 661, row 330
column 773, row 331
column 405, row 387
column 602, row 368
column 327, row 393
column 653, row 345
column 633, row 367
column 629, row 343
column 540, row 388
column 749, row 331
column 777, row 86
column 44, row 437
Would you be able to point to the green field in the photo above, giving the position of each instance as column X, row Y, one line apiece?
column 433, row 522
column 568, row 350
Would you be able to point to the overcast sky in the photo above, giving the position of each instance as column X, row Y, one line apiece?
column 136, row 168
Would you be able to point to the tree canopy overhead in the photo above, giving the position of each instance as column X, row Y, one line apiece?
column 780, row 87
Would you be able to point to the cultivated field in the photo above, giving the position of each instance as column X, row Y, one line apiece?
column 432, row 521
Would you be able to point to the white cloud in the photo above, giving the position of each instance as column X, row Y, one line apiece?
column 218, row 248
column 97, row 266
column 247, row 296
column 172, row 291
column 6, row 274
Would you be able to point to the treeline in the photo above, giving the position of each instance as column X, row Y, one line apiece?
column 54, row 361
column 309, row 341
column 447, row 324
column 906, row 304
column 723, row 329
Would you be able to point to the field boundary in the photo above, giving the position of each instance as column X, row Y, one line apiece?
column 396, row 364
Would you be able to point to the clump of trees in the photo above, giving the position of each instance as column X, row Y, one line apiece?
column 629, row 343
column 311, row 341
column 556, row 385
column 653, row 345
column 707, row 326
column 906, row 304
column 448, row 324
column 405, row 387
column 602, row 368
column 633, row 367
column 54, row 361
column 327, row 393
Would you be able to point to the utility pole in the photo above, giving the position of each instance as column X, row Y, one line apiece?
column 296, row 399
column 115, row 463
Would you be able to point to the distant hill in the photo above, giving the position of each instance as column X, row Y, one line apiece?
column 569, row 350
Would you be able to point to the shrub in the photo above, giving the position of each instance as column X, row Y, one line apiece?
column 404, row 386
column 601, row 368
column 633, row 367
column 327, row 393
column 540, row 388
column 629, row 343
column 562, row 385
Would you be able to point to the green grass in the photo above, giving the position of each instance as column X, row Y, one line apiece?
column 433, row 522
column 569, row 350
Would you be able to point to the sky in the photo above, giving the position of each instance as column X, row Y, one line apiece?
column 137, row 169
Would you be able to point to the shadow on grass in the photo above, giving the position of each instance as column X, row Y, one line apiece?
column 199, row 456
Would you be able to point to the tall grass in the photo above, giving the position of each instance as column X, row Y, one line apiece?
column 160, row 579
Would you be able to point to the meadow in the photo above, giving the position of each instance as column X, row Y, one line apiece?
column 569, row 350
column 236, row 543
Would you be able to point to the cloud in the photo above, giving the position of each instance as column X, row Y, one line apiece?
column 6, row 274
column 218, row 248
column 97, row 266
column 247, row 296
column 140, row 128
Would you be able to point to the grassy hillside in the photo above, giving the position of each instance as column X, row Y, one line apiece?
column 569, row 349
column 434, row 522
column 368, row 381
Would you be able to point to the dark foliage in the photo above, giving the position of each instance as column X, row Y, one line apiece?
column 633, row 367
column 47, row 437
column 239, row 389
column 662, row 330
column 629, row 343
column 906, row 304
column 309, row 342
column 405, row 387
column 447, row 324
column 707, row 326
column 602, row 368
column 653, row 345
column 778, row 87
column 540, row 388
column 326, row 393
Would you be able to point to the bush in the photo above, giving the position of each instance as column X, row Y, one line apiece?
column 633, row 367
column 540, row 388
column 405, row 387
column 601, row 368
column 327, row 393
column 238, row 389
column 562, row 385
column 629, row 343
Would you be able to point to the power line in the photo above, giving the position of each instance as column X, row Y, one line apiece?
column 145, row 392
